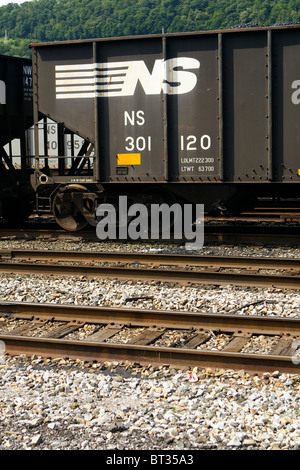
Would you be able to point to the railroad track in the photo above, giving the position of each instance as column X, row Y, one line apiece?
column 152, row 336
column 179, row 268
column 217, row 230
column 56, row 331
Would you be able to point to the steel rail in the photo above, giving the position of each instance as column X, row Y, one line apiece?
column 156, row 318
column 101, row 352
column 169, row 274
column 155, row 258
column 288, row 328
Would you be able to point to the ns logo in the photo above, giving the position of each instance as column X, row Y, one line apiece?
column 2, row 92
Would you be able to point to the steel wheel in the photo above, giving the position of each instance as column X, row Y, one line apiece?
column 66, row 213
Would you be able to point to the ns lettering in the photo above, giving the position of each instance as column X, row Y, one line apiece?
column 296, row 94
column 172, row 76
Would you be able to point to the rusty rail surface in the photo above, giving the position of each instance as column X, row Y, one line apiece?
column 146, row 257
column 180, row 268
column 154, row 323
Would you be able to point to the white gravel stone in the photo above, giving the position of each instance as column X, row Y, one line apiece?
column 63, row 404
column 224, row 409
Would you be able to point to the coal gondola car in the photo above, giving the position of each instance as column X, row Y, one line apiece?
column 205, row 117
column 16, row 118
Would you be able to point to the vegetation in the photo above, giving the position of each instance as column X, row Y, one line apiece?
column 57, row 20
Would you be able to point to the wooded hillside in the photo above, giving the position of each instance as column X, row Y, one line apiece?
column 56, row 20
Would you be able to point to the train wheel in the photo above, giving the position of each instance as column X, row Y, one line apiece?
column 66, row 213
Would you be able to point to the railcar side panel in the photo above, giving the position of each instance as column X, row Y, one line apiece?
column 245, row 106
column 286, row 104
column 16, row 113
column 193, row 109
column 62, row 73
column 130, row 111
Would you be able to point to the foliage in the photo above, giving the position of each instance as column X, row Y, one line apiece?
column 57, row 20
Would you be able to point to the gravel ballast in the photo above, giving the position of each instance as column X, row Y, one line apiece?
column 62, row 404
column 69, row 405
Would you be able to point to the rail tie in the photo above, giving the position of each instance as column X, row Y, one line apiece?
column 145, row 347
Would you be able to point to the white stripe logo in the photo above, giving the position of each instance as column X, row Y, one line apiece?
column 110, row 79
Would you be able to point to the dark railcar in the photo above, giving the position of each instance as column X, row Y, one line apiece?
column 16, row 118
column 207, row 117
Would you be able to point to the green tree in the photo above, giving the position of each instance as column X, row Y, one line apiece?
column 58, row 20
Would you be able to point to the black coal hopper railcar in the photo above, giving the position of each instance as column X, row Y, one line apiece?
column 16, row 151
column 207, row 118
